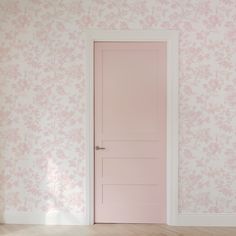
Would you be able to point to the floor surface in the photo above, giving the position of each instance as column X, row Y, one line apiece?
column 114, row 229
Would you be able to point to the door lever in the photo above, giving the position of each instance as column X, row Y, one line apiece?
column 99, row 148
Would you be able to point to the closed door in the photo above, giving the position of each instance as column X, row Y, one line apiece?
column 130, row 132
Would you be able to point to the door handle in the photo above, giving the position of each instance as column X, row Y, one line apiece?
column 99, row 148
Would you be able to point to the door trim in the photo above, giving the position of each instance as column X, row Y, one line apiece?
column 171, row 38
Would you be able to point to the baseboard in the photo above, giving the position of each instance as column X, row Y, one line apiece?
column 62, row 218
column 54, row 218
column 220, row 219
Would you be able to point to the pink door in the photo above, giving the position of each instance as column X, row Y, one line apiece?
column 130, row 124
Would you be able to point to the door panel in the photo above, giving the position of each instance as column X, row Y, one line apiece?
column 130, row 171
column 130, row 122
column 132, row 148
column 123, row 194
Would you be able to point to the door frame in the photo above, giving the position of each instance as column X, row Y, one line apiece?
column 171, row 38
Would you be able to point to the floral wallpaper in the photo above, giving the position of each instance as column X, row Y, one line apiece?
column 43, row 101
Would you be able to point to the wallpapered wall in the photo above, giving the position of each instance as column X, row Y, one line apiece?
column 43, row 100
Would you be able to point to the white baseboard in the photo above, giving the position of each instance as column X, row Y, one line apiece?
column 54, row 218
column 220, row 219
column 62, row 218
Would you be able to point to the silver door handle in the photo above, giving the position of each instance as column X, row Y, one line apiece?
column 99, row 148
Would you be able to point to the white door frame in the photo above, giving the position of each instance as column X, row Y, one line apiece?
column 171, row 37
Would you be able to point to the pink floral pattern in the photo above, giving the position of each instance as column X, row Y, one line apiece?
column 43, row 100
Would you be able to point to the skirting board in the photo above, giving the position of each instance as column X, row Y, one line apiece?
column 61, row 218
column 220, row 219
column 54, row 218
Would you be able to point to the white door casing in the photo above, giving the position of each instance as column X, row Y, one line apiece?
column 171, row 38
